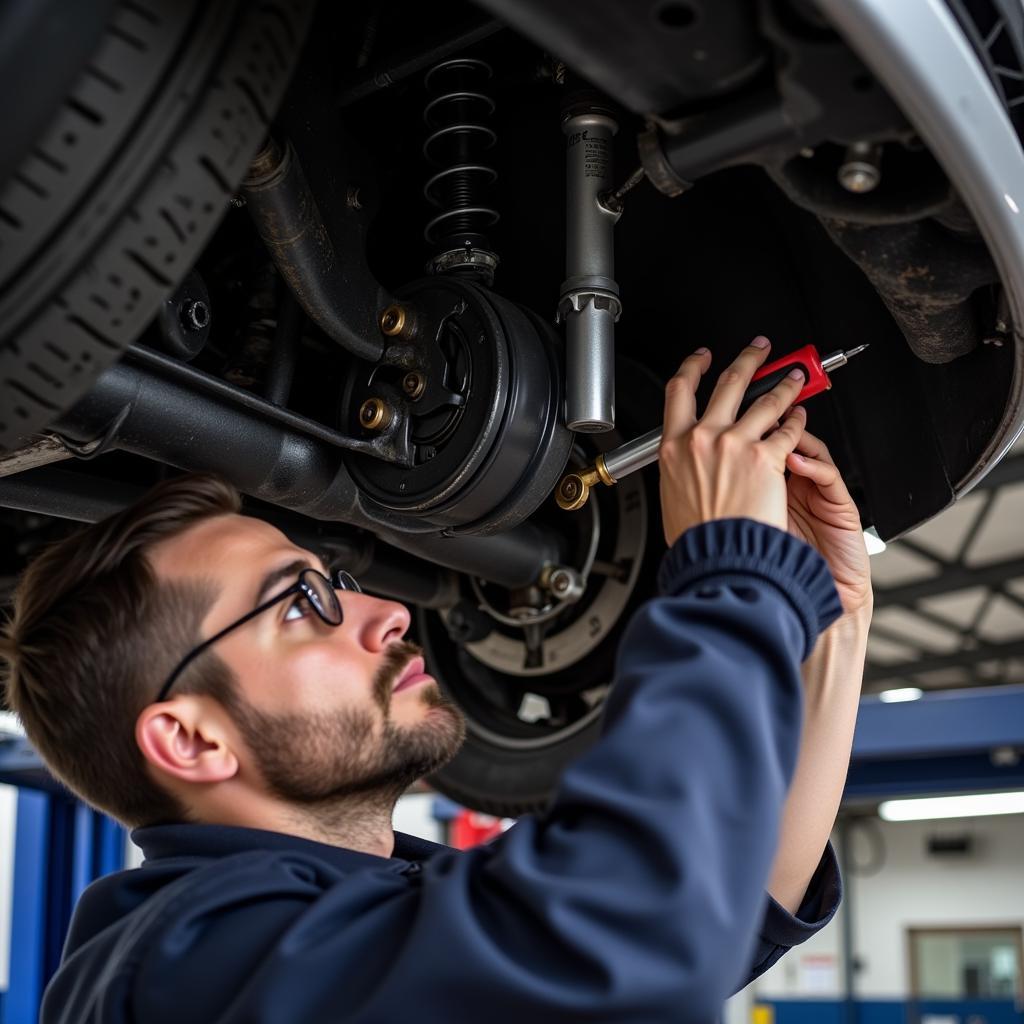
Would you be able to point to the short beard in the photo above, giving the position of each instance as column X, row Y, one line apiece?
column 328, row 757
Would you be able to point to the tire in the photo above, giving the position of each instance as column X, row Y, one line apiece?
column 115, row 201
column 506, row 767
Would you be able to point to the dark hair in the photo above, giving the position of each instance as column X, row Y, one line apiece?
column 93, row 634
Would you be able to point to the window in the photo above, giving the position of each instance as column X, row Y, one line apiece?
column 965, row 963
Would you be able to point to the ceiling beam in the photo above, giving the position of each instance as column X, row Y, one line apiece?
column 963, row 658
column 991, row 574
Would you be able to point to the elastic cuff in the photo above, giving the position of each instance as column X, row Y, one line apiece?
column 729, row 546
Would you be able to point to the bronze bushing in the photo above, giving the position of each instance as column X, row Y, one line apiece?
column 374, row 414
column 414, row 384
column 392, row 321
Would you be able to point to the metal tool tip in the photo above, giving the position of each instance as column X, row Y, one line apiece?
column 858, row 349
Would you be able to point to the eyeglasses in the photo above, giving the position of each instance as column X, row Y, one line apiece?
column 314, row 586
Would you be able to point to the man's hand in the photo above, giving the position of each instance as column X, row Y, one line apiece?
column 822, row 513
column 719, row 467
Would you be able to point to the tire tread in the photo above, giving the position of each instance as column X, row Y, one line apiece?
column 57, row 347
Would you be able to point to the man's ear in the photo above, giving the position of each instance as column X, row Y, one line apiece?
column 186, row 739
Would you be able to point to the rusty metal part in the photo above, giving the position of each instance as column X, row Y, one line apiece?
column 375, row 414
column 393, row 321
column 414, row 384
column 41, row 452
column 927, row 276
column 289, row 222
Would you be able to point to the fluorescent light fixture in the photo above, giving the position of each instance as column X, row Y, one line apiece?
column 970, row 806
column 901, row 693
column 873, row 542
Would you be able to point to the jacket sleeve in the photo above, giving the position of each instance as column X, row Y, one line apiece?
column 780, row 930
column 637, row 896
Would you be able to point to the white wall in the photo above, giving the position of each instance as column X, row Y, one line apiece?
column 738, row 1010
column 8, row 816
column 912, row 889
column 414, row 816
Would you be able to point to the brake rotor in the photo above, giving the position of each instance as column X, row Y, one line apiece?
column 481, row 414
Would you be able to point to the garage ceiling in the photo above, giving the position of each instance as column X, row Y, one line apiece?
column 949, row 596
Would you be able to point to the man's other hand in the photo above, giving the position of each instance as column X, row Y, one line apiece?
column 718, row 466
column 822, row 513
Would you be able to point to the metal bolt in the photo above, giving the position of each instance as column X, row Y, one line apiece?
column 861, row 169
column 392, row 321
column 375, row 414
column 565, row 584
column 195, row 315
column 414, row 384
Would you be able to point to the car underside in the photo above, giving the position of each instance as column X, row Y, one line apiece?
column 394, row 271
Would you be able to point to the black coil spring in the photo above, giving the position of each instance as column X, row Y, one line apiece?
column 457, row 145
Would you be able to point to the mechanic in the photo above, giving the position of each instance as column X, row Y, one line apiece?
column 261, row 784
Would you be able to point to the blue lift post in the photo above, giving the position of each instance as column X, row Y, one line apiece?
column 60, row 846
column 942, row 742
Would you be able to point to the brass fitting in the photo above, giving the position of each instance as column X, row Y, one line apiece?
column 393, row 321
column 574, row 488
column 414, row 384
column 375, row 414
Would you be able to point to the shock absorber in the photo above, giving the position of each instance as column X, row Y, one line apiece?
column 589, row 304
column 457, row 146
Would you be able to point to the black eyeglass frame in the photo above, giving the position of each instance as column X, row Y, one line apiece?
column 333, row 616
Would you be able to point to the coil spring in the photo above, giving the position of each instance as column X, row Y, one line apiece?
column 457, row 145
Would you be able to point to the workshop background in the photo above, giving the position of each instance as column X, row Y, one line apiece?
column 931, row 927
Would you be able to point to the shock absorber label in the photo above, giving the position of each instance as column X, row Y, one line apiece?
column 596, row 153
column 596, row 158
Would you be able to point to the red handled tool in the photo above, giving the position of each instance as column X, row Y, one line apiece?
column 610, row 467
column 816, row 371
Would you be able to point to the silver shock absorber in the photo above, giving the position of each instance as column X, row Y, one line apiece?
column 589, row 303
column 458, row 146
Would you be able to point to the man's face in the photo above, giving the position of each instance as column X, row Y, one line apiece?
column 324, row 712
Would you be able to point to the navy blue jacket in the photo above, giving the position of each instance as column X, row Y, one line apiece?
column 638, row 897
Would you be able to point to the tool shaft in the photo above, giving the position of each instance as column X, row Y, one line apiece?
column 633, row 455
column 643, row 450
